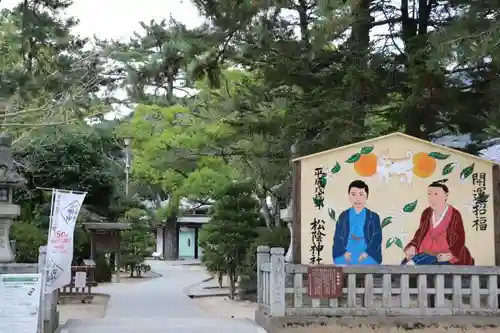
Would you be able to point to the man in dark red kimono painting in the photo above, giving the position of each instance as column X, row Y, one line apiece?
column 440, row 237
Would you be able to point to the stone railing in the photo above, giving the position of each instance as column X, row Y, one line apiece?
column 49, row 316
column 378, row 290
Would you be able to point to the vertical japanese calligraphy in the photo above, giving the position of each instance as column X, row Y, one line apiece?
column 317, row 233
column 480, row 201
column 319, row 188
column 318, row 225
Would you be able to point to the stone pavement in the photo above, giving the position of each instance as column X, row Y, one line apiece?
column 158, row 305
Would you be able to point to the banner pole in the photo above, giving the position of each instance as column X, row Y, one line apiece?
column 62, row 191
column 46, row 268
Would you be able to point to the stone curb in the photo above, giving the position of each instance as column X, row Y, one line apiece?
column 187, row 290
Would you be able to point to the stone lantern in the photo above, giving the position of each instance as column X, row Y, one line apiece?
column 9, row 179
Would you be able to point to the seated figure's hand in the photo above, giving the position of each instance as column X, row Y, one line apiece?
column 410, row 252
column 363, row 256
column 347, row 256
column 444, row 257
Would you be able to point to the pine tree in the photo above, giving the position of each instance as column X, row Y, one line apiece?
column 232, row 229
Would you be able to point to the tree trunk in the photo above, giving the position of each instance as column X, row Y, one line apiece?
column 171, row 239
column 220, row 278
column 232, row 283
column 359, row 43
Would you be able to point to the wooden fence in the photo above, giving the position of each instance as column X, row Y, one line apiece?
column 379, row 290
column 79, row 289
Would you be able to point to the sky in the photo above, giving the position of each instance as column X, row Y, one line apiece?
column 117, row 19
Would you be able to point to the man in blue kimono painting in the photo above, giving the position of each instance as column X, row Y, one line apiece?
column 358, row 234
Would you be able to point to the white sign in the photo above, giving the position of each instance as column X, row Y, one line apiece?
column 65, row 209
column 19, row 302
column 80, row 279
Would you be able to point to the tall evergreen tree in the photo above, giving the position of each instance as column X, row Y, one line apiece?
column 232, row 229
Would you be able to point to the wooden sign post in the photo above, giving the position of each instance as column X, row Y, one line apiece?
column 325, row 281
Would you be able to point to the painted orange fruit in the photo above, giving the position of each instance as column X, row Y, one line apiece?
column 423, row 165
column 366, row 166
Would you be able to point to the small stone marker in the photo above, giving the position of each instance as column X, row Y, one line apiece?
column 325, row 281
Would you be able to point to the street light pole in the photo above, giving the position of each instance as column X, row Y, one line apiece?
column 127, row 142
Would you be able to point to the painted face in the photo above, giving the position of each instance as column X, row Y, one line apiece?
column 437, row 197
column 358, row 197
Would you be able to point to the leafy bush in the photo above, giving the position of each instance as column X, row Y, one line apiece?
column 28, row 239
column 277, row 237
column 103, row 271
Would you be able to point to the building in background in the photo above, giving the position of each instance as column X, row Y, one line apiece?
column 188, row 227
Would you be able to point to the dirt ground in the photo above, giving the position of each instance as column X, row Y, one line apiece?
column 75, row 309
column 224, row 308
column 367, row 329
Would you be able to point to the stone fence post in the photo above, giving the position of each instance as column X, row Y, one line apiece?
column 277, row 283
column 48, row 315
column 262, row 257
column 42, row 255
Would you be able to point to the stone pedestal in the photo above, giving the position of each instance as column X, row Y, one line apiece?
column 7, row 213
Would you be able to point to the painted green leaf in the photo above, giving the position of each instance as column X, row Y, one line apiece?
column 438, row 155
column 322, row 181
column 448, row 168
column 389, row 242
column 331, row 212
column 410, row 207
column 398, row 242
column 336, row 168
column 386, row 221
column 366, row 150
column 467, row 171
column 354, row 158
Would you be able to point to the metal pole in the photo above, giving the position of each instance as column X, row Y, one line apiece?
column 127, row 168
column 126, row 181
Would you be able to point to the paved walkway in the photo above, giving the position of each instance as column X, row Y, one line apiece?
column 158, row 305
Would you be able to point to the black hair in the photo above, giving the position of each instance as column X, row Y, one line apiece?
column 359, row 184
column 440, row 184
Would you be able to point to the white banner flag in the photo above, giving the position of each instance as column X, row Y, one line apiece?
column 65, row 208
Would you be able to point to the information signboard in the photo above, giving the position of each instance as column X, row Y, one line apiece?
column 19, row 302
column 325, row 281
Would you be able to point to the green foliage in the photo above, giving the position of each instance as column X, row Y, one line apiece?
column 103, row 271
column 137, row 242
column 75, row 157
column 47, row 78
column 231, row 231
column 277, row 237
column 28, row 239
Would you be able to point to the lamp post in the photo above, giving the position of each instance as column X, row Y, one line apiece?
column 127, row 141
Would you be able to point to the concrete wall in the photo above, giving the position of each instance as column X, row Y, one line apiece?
column 409, row 165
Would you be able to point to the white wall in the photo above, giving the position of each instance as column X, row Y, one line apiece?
column 159, row 240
